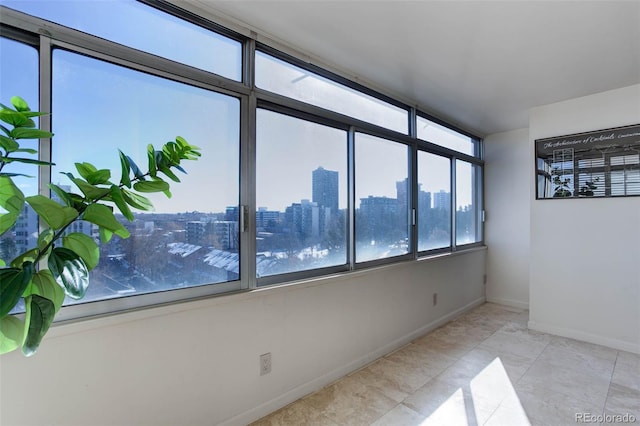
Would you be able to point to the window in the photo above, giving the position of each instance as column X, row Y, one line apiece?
column 189, row 240
column 336, row 179
column 301, row 195
column 467, row 205
column 144, row 28
column 289, row 80
column 382, row 198
column 434, row 201
column 444, row 136
column 19, row 77
column 625, row 173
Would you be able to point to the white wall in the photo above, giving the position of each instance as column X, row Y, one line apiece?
column 585, row 253
column 507, row 201
column 197, row 363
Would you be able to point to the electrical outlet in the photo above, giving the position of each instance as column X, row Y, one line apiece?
column 265, row 363
column 435, row 299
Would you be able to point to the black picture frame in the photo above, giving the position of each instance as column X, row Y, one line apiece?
column 596, row 164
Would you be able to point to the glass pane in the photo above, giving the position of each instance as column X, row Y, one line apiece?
column 443, row 136
column 467, row 217
column 189, row 239
column 144, row 28
column 19, row 77
column 382, row 201
column 603, row 163
column 301, row 193
column 625, row 174
column 434, row 201
column 289, row 80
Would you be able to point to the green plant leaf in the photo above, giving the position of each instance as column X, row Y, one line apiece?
column 167, row 171
column 126, row 169
column 62, row 194
column 11, row 333
column 134, row 168
column 53, row 213
column 28, row 150
column 8, row 144
column 23, row 133
column 7, row 220
column 105, row 235
column 85, row 169
column 151, row 186
column 45, row 238
column 13, row 282
column 90, row 191
column 151, row 155
column 137, row 201
column 118, row 198
column 11, row 201
column 70, row 271
column 15, row 118
column 19, row 104
column 99, row 177
column 39, row 316
column 28, row 256
column 102, row 216
column 92, row 175
column 84, row 246
column 26, row 161
column 15, row 174
column 43, row 284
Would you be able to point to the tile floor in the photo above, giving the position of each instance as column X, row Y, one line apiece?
column 484, row 368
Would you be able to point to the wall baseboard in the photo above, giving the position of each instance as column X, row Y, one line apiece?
column 318, row 383
column 509, row 302
column 585, row 337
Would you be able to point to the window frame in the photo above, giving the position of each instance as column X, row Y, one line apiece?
column 314, row 272
column 46, row 36
column 324, row 73
column 59, row 37
column 410, row 255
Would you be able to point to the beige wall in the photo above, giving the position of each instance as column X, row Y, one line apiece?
column 584, row 274
column 197, row 363
column 507, row 199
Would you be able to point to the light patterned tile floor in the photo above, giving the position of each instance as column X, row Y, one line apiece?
column 484, row 368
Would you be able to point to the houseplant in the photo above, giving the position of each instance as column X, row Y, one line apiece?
column 60, row 262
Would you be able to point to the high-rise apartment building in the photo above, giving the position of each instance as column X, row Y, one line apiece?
column 325, row 188
column 441, row 200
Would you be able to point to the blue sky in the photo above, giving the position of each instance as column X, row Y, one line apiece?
column 100, row 107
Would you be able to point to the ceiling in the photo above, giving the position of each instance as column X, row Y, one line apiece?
column 481, row 65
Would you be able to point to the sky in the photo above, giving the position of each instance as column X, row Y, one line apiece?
column 99, row 108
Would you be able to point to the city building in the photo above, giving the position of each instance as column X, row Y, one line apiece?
column 26, row 229
column 325, row 188
column 559, row 341
column 267, row 218
column 441, row 200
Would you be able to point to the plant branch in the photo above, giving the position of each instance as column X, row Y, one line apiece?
column 60, row 232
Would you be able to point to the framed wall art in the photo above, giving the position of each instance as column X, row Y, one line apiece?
column 603, row 163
